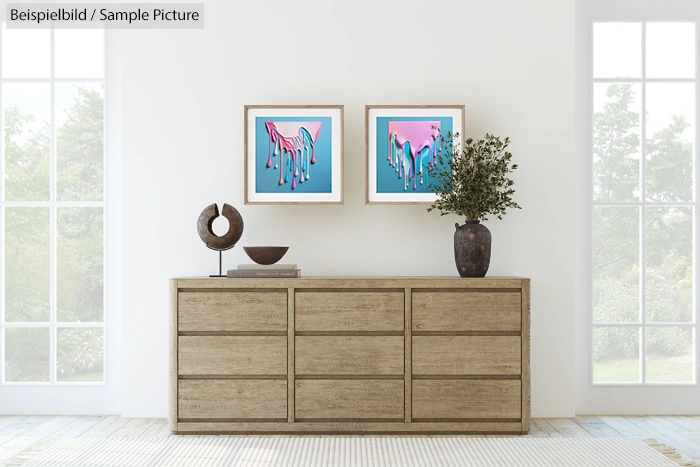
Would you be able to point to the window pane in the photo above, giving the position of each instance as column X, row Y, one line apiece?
column 79, row 53
column 615, row 264
column 79, row 355
column 670, row 50
column 669, row 264
column 669, row 354
column 26, row 53
column 26, row 141
column 616, row 136
column 27, row 264
column 617, row 50
column 615, row 355
column 79, row 243
column 27, row 355
column 79, row 142
column 670, row 140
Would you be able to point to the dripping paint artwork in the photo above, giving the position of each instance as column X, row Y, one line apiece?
column 286, row 163
column 413, row 147
column 403, row 143
column 293, row 154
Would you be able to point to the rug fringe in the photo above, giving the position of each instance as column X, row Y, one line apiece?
column 31, row 452
column 670, row 453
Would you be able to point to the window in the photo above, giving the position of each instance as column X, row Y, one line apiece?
column 644, row 203
column 52, row 311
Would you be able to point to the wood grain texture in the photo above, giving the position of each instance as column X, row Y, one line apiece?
column 172, row 376
column 466, row 311
column 351, row 355
column 134, row 428
column 466, row 399
column 106, row 427
column 232, row 311
column 291, row 316
column 12, row 446
column 349, row 311
column 525, row 371
column 466, row 355
column 232, row 399
column 347, row 355
column 349, row 399
column 232, row 355
column 420, row 428
column 407, row 366
column 351, row 283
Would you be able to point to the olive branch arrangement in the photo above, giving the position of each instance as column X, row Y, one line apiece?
column 474, row 183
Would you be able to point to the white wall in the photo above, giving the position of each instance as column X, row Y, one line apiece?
column 510, row 63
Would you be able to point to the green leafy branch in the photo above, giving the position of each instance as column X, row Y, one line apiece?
column 473, row 181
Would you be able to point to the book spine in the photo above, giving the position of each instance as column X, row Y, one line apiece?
column 264, row 267
column 265, row 273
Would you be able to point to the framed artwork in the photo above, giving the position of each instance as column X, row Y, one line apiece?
column 402, row 142
column 293, row 154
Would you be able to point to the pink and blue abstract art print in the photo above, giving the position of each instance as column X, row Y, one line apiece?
column 293, row 154
column 406, row 148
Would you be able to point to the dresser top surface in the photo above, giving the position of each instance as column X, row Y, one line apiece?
column 353, row 282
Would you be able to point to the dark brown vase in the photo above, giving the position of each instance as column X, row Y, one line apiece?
column 472, row 249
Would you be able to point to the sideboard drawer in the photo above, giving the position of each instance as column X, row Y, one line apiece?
column 453, row 399
column 232, row 355
column 349, row 399
column 466, row 355
column 210, row 399
column 232, row 311
column 349, row 311
column 349, row 355
column 466, row 311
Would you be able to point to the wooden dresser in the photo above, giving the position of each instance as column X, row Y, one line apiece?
column 350, row 355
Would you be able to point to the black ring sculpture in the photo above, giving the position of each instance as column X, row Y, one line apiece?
column 226, row 241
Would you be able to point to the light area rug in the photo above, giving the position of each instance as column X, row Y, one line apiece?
column 360, row 451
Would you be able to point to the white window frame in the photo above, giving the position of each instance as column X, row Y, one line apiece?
column 642, row 204
column 642, row 397
column 76, row 397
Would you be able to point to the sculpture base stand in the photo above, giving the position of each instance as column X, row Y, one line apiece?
column 220, row 270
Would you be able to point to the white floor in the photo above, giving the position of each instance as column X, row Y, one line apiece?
column 18, row 433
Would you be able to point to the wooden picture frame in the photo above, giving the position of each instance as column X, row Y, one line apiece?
column 389, row 130
column 293, row 154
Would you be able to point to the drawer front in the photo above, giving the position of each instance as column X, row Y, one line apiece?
column 452, row 399
column 349, row 399
column 232, row 311
column 349, row 311
column 208, row 399
column 466, row 311
column 232, row 355
column 466, row 355
column 349, row 355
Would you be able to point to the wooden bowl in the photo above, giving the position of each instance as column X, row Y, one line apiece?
column 265, row 254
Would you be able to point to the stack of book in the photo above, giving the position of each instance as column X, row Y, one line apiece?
column 261, row 270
